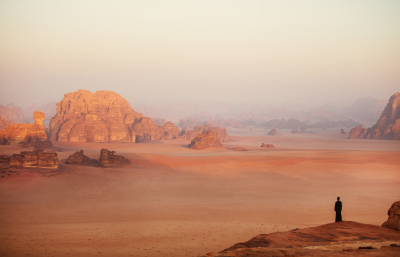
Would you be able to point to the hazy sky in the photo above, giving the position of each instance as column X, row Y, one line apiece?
column 218, row 50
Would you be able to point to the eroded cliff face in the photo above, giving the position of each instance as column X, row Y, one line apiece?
column 388, row 125
column 30, row 135
column 103, row 116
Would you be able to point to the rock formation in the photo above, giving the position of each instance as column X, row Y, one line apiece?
column 347, row 238
column 29, row 135
column 186, row 134
column 267, row 145
column 78, row 158
column 393, row 221
column 387, row 127
column 109, row 159
column 4, row 122
column 103, row 116
column 205, row 140
column 15, row 114
column 273, row 132
column 32, row 159
column 342, row 131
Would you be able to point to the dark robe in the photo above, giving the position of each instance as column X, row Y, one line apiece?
column 338, row 210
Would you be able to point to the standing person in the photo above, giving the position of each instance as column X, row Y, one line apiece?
column 338, row 210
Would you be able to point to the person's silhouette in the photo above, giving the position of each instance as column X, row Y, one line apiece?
column 338, row 210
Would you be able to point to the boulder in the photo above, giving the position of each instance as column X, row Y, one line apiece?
column 388, row 125
column 273, row 132
column 342, row 131
column 393, row 221
column 110, row 159
column 267, row 145
column 205, row 140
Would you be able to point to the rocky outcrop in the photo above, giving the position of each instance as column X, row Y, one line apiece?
column 387, row 127
column 347, row 238
column 273, row 132
column 393, row 221
column 29, row 135
column 110, row 159
column 171, row 131
column 342, row 131
column 4, row 122
column 78, row 158
column 205, row 140
column 15, row 114
column 267, row 145
column 103, row 116
column 32, row 159
column 222, row 134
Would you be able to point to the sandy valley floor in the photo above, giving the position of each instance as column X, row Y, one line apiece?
column 174, row 201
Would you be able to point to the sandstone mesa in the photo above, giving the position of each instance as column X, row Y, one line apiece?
column 103, row 116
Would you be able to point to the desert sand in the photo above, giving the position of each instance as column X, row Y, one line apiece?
column 175, row 201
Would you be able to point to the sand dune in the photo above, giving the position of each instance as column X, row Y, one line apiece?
column 174, row 201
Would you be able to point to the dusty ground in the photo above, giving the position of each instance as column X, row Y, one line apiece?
column 174, row 201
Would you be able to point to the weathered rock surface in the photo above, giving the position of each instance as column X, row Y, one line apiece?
column 342, row 131
column 388, row 125
column 186, row 134
column 273, row 132
column 334, row 239
column 30, row 135
column 267, row 145
column 32, row 159
column 78, row 158
column 4, row 122
column 393, row 221
column 205, row 140
column 15, row 114
column 103, row 116
column 110, row 159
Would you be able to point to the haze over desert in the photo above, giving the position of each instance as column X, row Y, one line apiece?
column 199, row 128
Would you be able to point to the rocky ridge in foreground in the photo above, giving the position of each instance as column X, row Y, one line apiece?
column 333, row 239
